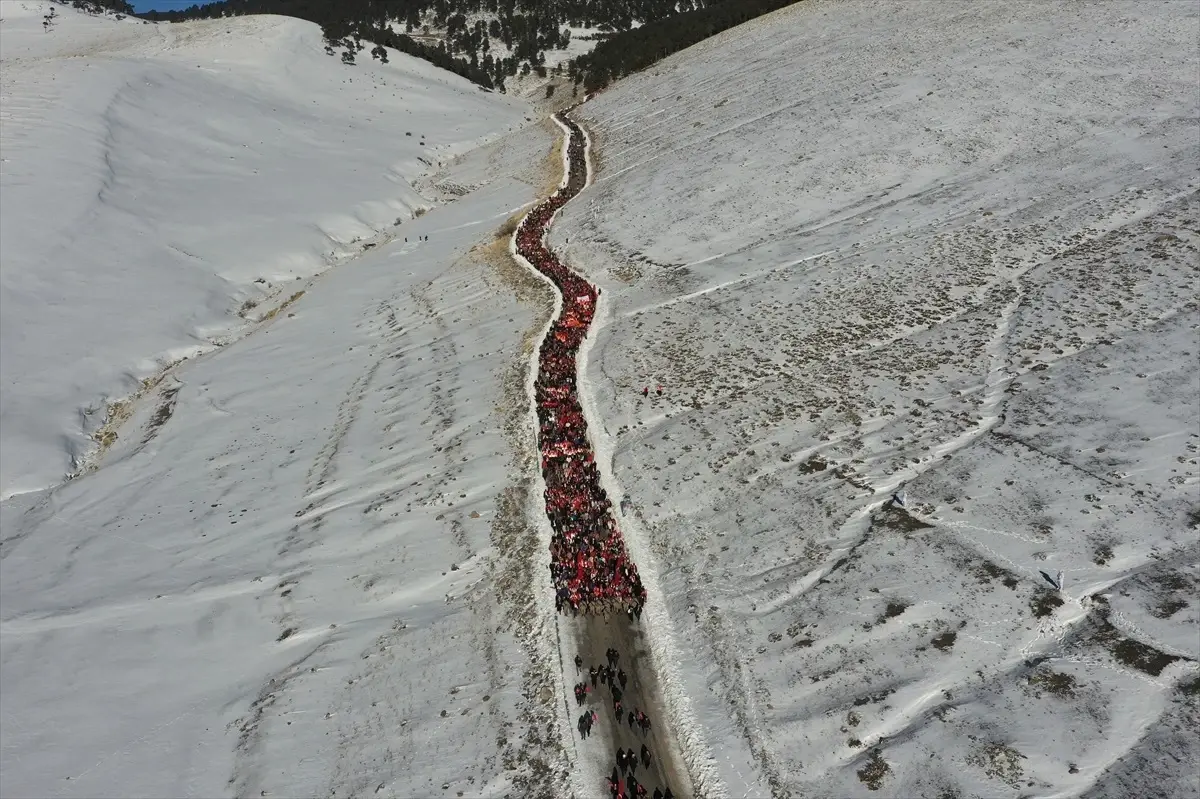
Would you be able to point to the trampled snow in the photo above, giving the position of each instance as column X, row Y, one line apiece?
column 945, row 247
column 304, row 566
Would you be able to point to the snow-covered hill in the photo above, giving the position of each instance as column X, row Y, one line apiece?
column 158, row 181
column 304, row 566
column 941, row 246
column 947, row 248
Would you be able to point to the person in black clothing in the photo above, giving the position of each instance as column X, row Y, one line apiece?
column 578, row 664
column 645, row 756
column 667, row 793
column 621, row 678
column 593, row 673
column 658, row 793
column 632, row 718
column 620, row 759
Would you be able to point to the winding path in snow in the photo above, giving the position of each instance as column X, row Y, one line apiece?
column 590, row 635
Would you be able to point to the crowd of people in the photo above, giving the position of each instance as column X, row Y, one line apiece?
column 623, row 782
column 589, row 565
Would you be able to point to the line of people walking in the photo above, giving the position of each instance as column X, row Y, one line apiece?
column 589, row 564
column 623, row 782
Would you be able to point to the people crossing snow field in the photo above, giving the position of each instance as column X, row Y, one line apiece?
column 589, row 565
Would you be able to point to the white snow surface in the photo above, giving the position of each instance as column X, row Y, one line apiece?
column 162, row 184
column 305, row 566
column 947, row 247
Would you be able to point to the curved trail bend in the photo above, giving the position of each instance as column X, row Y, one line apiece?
column 591, row 634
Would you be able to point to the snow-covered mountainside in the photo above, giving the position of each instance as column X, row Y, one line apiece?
column 916, row 507
column 159, row 181
column 304, row 567
column 939, row 247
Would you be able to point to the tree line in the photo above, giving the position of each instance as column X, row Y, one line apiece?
column 489, row 41
column 632, row 50
column 121, row 7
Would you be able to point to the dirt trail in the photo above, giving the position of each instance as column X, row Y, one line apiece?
column 595, row 634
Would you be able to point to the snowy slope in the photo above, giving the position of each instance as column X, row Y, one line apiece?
column 158, row 181
column 950, row 247
column 304, row 567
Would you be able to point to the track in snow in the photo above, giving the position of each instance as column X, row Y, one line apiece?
column 590, row 635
